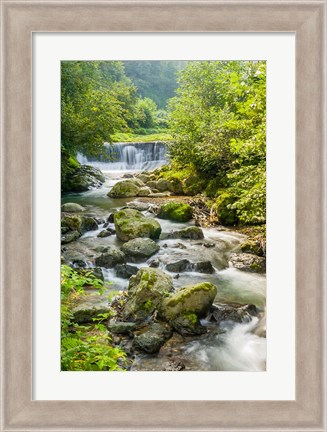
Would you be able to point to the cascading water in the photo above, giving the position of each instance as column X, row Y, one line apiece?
column 130, row 157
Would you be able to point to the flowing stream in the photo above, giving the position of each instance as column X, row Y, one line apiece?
column 229, row 346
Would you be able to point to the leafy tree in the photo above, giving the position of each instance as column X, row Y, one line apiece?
column 97, row 100
column 156, row 80
column 218, row 122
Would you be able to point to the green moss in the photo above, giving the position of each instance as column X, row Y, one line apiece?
column 191, row 317
column 186, row 292
column 178, row 211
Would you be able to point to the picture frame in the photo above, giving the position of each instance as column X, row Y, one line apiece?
column 20, row 19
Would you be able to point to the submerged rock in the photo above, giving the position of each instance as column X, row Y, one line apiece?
column 125, row 188
column 105, row 233
column 139, row 249
column 153, row 338
column 177, row 211
column 231, row 312
column 72, row 208
column 248, row 262
column 194, row 299
column 186, row 265
column 146, row 291
column 191, row 233
column 140, row 206
column 125, row 271
column 110, row 257
column 130, row 224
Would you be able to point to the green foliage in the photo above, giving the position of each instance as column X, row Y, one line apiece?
column 218, row 122
column 154, row 79
column 97, row 100
column 84, row 348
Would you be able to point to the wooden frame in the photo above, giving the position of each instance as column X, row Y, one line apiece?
column 308, row 20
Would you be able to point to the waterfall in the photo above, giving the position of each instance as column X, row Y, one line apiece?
column 129, row 157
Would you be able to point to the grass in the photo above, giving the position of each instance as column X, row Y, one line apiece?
column 160, row 135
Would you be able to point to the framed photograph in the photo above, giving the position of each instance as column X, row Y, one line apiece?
column 162, row 246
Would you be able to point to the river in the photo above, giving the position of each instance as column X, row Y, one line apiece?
column 229, row 346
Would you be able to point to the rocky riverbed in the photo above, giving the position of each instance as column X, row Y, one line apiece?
column 185, row 294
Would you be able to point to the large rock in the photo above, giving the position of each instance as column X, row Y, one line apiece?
column 125, row 188
column 146, row 291
column 78, row 223
column 232, row 312
column 110, row 257
column 125, row 271
column 144, row 191
column 248, row 262
column 188, row 324
column 84, row 178
column 89, row 309
column 186, row 265
column 139, row 249
column 177, row 211
column 70, row 236
column 72, row 208
column 194, row 299
column 130, row 224
column 162, row 185
column 152, row 340
column 175, row 186
column 191, row 233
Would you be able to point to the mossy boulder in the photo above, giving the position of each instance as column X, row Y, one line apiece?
column 144, row 191
column 188, row 324
column 139, row 249
column 176, row 211
column 194, row 299
column 73, row 226
column 110, row 257
column 124, row 189
column 131, row 224
column 162, row 185
column 70, row 236
column 146, row 291
column 153, row 338
column 191, row 233
column 83, row 178
column 255, row 247
column 72, row 208
column 248, row 262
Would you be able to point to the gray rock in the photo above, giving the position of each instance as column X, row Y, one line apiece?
column 248, row 262
column 120, row 327
column 125, row 271
column 152, row 340
column 105, row 233
column 110, row 257
column 124, row 189
column 178, row 266
column 191, row 233
column 139, row 249
column 231, row 312
column 72, row 208
column 69, row 237
column 140, row 206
